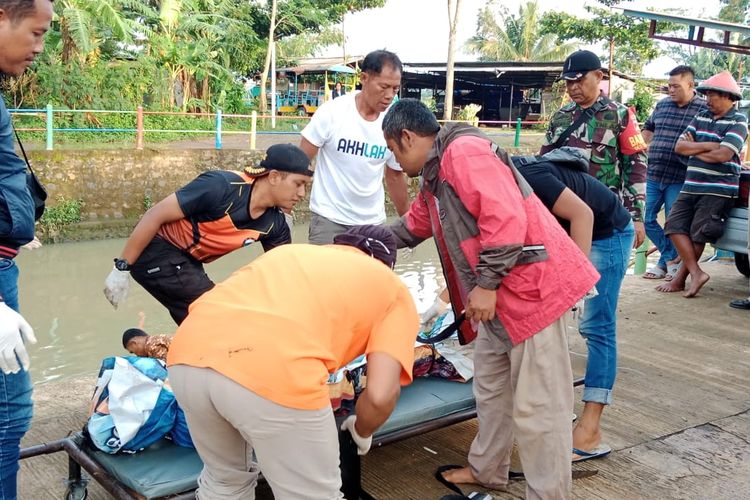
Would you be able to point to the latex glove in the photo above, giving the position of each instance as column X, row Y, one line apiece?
column 434, row 310
column 14, row 330
column 33, row 244
column 578, row 308
column 406, row 254
column 116, row 286
column 363, row 444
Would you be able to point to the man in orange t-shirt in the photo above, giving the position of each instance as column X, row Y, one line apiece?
column 250, row 362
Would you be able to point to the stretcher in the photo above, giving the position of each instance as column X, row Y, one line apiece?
column 165, row 470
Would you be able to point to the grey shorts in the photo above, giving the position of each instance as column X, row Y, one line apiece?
column 323, row 230
column 701, row 216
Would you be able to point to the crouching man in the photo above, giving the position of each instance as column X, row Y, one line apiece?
column 512, row 268
column 250, row 362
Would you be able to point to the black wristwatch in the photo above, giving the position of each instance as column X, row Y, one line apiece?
column 122, row 265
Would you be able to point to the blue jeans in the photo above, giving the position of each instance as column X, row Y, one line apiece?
column 15, row 397
column 658, row 195
column 598, row 325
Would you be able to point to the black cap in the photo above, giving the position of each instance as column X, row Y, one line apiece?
column 376, row 241
column 284, row 158
column 579, row 63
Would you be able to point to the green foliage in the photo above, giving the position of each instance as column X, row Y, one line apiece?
column 166, row 55
column 643, row 100
column 515, row 38
column 628, row 36
column 469, row 113
column 56, row 218
column 708, row 62
column 148, row 202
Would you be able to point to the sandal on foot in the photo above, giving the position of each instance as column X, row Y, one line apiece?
column 655, row 273
column 600, row 451
column 672, row 270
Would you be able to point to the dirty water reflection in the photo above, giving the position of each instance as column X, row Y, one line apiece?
column 61, row 296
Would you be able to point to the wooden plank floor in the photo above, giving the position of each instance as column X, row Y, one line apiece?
column 679, row 425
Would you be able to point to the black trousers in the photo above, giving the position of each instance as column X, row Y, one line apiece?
column 171, row 276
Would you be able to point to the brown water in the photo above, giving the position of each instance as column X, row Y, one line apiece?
column 61, row 296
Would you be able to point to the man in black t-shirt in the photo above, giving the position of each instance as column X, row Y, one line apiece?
column 215, row 214
column 575, row 198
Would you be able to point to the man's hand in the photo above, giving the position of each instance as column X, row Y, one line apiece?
column 481, row 304
column 33, row 244
column 363, row 443
column 640, row 234
column 116, row 287
column 14, row 330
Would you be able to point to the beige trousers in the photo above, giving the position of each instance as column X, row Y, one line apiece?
column 297, row 450
column 526, row 394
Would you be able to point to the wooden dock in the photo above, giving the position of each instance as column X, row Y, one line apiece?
column 679, row 425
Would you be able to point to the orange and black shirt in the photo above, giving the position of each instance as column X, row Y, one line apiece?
column 217, row 218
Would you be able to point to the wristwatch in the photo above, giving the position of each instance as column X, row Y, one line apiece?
column 122, row 265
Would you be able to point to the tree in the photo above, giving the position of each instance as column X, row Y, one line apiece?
column 295, row 17
column 515, row 38
column 629, row 46
column 453, row 9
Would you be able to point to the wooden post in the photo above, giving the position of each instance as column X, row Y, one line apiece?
column 139, row 128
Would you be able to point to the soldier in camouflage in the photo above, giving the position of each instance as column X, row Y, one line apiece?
column 606, row 133
column 610, row 138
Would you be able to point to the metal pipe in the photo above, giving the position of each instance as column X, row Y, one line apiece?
column 98, row 473
column 42, row 449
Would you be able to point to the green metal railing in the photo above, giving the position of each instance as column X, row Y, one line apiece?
column 247, row 124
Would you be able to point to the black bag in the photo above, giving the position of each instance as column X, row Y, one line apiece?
column 36, row 189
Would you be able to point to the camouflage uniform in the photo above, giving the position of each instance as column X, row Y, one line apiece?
column 600, row 142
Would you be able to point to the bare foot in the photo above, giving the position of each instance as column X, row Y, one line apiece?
column 696, row 284
column 671, row 286
column 586, row 439
column 460, row 476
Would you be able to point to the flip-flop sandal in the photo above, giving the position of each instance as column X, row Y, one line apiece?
column 439, row 476
column 672, row 270
column 655, row 273
column 600, row 451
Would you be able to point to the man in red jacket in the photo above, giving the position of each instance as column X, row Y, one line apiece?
column 516, row 273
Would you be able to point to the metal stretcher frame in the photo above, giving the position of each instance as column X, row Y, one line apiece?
column 79, row 458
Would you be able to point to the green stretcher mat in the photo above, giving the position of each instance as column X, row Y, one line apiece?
column 167, row 469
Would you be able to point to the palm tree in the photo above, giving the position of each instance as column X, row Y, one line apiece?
column 87, row 25
column 502, row 36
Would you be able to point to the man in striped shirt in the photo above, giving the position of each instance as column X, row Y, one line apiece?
column 713, row 141
column 666, row 168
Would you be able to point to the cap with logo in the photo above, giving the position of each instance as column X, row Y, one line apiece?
column 579, row 63
column 284, row 158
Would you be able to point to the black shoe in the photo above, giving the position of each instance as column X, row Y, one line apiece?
column 740, row 304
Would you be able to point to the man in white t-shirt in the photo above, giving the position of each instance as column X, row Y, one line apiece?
column 346, row 134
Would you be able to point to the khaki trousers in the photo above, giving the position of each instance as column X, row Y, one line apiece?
column 297, row 450
column 526, row 393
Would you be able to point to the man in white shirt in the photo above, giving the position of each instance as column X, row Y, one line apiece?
column 346, row 135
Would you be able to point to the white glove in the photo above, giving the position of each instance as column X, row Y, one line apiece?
column 33, row 244
column 406, row 254
column 578, row 308
column 434, row 310
column 13, row 331
column 363, row 444
column 116, row 286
